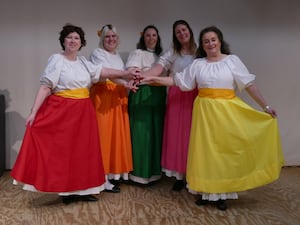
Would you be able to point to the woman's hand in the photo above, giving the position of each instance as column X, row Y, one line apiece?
column 30, row 119
column 254, row 92
column 147, row 79
column 133, row 73
column 132, row 85
column 270, row 111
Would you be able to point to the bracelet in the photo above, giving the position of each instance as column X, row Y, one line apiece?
column 266, row 108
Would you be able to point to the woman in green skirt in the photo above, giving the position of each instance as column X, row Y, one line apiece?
column 146, row 111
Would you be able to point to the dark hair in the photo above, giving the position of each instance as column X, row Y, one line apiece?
column 176, row 44
column 109, row 26
column 224, row 46
column 142, row 45
column 69, row 28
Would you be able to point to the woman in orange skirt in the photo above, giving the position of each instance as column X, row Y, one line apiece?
column 111, row 103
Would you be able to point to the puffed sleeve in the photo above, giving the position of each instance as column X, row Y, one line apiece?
column 94, row 70
column 240, row 72
column 167, row 59
column 134, row 59
column 51, row 74
column 98, row 56
column 186, row 80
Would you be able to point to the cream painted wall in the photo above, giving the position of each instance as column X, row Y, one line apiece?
column 265, row 34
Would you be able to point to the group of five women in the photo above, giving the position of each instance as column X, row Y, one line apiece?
column 194, row 127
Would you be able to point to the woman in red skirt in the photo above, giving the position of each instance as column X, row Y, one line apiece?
column 60, row 152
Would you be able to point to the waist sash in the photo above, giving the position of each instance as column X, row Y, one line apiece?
column 74, row 93
column 216, row 93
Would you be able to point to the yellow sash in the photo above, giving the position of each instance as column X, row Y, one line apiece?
column 216, row 93
column 104, row 83
column 109, row 81
column 74, row 93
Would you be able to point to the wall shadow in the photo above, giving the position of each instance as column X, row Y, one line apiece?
column 14, row 131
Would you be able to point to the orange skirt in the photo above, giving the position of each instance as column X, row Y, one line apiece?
column 111, row 104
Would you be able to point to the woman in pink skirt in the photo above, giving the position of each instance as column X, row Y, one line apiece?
column 179, row 104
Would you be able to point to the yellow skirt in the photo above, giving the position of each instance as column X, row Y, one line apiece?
column 233, row 147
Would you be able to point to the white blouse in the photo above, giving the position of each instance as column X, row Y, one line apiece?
column 107, row 59
column 141, row 59
column 62, row 74
column 228, row 73
column 174, row 62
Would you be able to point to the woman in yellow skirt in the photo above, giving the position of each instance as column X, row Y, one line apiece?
column 233, row 147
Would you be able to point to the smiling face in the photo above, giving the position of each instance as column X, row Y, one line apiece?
column 72, row 42
column 182, row 34
column 150, row 37
column 211, row 44
column 110, row 41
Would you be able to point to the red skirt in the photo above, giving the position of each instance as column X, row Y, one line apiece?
column 60, row 151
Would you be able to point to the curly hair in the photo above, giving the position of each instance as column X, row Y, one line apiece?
column 66, row 30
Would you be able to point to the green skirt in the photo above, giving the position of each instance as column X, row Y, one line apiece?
column 146, row 115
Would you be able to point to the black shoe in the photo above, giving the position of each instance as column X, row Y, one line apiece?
column 221, row 204
column 88, row 198
column 70, row 198
column 115, row 189
column 66, row 200
column 115, row 182
column 201, row 201
column 178, row 186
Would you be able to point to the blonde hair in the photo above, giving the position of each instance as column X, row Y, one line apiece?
column 101, row 33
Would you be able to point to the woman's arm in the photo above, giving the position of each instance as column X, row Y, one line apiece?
column 156, row 70
column 165, row 81
column 119, row 81
column 113, row 73
column 254, row 92
column 43, row 92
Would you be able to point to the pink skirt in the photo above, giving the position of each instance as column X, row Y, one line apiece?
column 177, row 129
column 60, row 151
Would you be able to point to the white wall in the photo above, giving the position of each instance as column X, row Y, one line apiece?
column 265, row 34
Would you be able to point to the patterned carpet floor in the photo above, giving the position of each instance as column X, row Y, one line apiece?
column 274, row 204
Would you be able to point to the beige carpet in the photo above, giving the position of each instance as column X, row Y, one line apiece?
column 274, row 204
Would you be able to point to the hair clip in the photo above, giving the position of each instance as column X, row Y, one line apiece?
column 99, row 32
